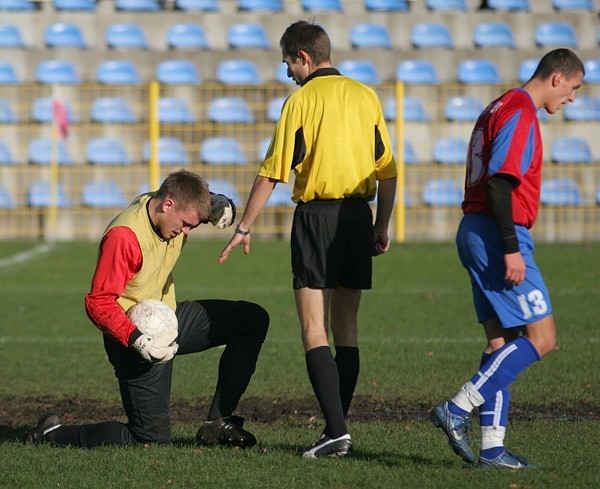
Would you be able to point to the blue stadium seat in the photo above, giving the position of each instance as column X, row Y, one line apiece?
column 450, row 151
column 361, row 70
column 222, row 151
column 137, row 5
column 6, row 157
column 447, row 5
column 247, row 36
column 253, row 5
column 101, row 194
column 413, row 110
column 42, row 111
column 274, row 108
column 174, row 111
column 171, row 151
column 224, row 187
column 10, row 36
column 177, row 72
column 238, row 72
column 230, row 110
column 112, row 110
column 117, row 72
column 386, row 5
column 417, row 72
column 187, row 36
column 592, row 71
column 478, row 72
column 512, row 5
column 63, row 35
column 431, row 35
column 56, row 72
column 198, row 5
column 493, row 35
column 410, row 156
column 583, row 108
column 107, row 152
column 527, row 68
column 598, row 195
column 40, row 152
column 263, row 147
column 370, row 35
column 443, row 193
column 8, row 76
column 39, row 195
column 571, row 150
column 542, row 115
column 75, row 5
column 322, row 5
column 463, row 108
column 560, row 192
column 17, row 5
column 6, row 200
column 125, row 35
column 7, row 116
column 561, row 5
column 281, row 196
column 555, row 34
column 281, row 75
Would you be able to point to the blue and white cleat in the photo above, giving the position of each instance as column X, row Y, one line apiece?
column 455, row 428
column 506, row 460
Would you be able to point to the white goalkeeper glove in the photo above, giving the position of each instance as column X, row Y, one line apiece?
column 155, row 350
column 222, row 211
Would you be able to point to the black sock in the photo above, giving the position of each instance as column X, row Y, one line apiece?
column 348, row 364
column 323, row 375
column 92, row 435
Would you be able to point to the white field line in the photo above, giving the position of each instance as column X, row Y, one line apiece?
column 25, row 255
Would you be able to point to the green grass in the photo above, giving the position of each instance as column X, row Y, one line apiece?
column 419, row 343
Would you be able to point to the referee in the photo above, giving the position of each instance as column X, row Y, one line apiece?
column 332, row 134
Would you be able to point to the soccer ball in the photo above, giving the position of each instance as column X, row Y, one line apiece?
column 222, row 212
column 154, row 318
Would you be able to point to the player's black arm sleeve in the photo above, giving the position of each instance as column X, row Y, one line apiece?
column 499, row 188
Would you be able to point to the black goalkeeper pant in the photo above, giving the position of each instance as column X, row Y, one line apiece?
column 146, row 388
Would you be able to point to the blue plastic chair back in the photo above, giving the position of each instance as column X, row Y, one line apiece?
column 222, row 151
column 224, row 187
column 361, row 70
column 40, row 152
column 369, row 35
column 16, row 5
column 113, row 110
column 137, row 5
column 247, row 36
column 410, row 156
column 573, row 5
column 443, row 193
column 8, row 75
column 274, row 108
column 583, row 109
column 42, row 111
column 322, row 5
column 107, row 152
column 493, row 35
column 463, row 108
column 478, row 72
column 174, row 111
column 5, row 155
column 555, row 34
column 39, row 195
column 75, row 5
column 431, row 35
column 263, row 147
column 560, row 192
column 187, row 36
column 571, row 150
column 450, row 151
column 527, row 69
column 413, row 110
column 6, row 200
column 230, row 110
column 7, row 116
column 56, row 72
column 417, row 72
column 281, row 75
column 509, row 5
column 103, row 194
column 253, row 5
column 10, row 36
column 592, row 71
column 386, row 5
column 126, row 35
column 281, row 196
column 171, row 151
column 117, row 72
column 198, row 5
column 177, row 72
column 63, row 35
column 238, row 72
column 447, row 5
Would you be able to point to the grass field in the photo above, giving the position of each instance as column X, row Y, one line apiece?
column 419, row 343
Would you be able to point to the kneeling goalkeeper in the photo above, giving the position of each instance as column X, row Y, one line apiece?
column 137, row 254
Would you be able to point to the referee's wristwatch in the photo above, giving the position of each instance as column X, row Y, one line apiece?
column 239, row 231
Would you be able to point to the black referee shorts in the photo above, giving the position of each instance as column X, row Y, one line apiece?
column 332, row 244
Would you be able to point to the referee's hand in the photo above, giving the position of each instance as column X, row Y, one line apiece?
column 235, row 240
column 381, row 243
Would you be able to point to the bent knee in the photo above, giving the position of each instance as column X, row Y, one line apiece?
column 257, row 319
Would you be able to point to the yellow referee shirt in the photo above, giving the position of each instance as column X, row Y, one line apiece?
column 332, row 133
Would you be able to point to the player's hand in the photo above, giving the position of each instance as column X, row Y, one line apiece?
column 515, row 268
column 381, row 243
column 235, row 240
column 222, row 211
column 154, row 350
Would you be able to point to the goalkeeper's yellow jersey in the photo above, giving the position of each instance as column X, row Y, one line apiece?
column 332, row 133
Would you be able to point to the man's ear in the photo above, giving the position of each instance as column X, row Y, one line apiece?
column 556, row 79
column 167, row 204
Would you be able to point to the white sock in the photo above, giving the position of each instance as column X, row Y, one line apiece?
column 468, row 398
column 492, row 437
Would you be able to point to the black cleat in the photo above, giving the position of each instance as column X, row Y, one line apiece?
column 226, row 431
column 330, row 447
column 45, row 425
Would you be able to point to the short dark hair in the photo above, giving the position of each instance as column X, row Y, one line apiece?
column 560, row 60
column 188, row 190
column 309, row 37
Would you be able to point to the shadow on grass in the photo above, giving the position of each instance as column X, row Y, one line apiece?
column 12, row 434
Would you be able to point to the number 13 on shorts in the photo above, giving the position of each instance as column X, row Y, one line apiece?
column 533, row 304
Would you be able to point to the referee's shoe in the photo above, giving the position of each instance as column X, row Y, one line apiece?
column 330, row 447
column 226, row 431
column 46, row 424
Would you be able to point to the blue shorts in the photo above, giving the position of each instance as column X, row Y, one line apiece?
column 481, row 253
